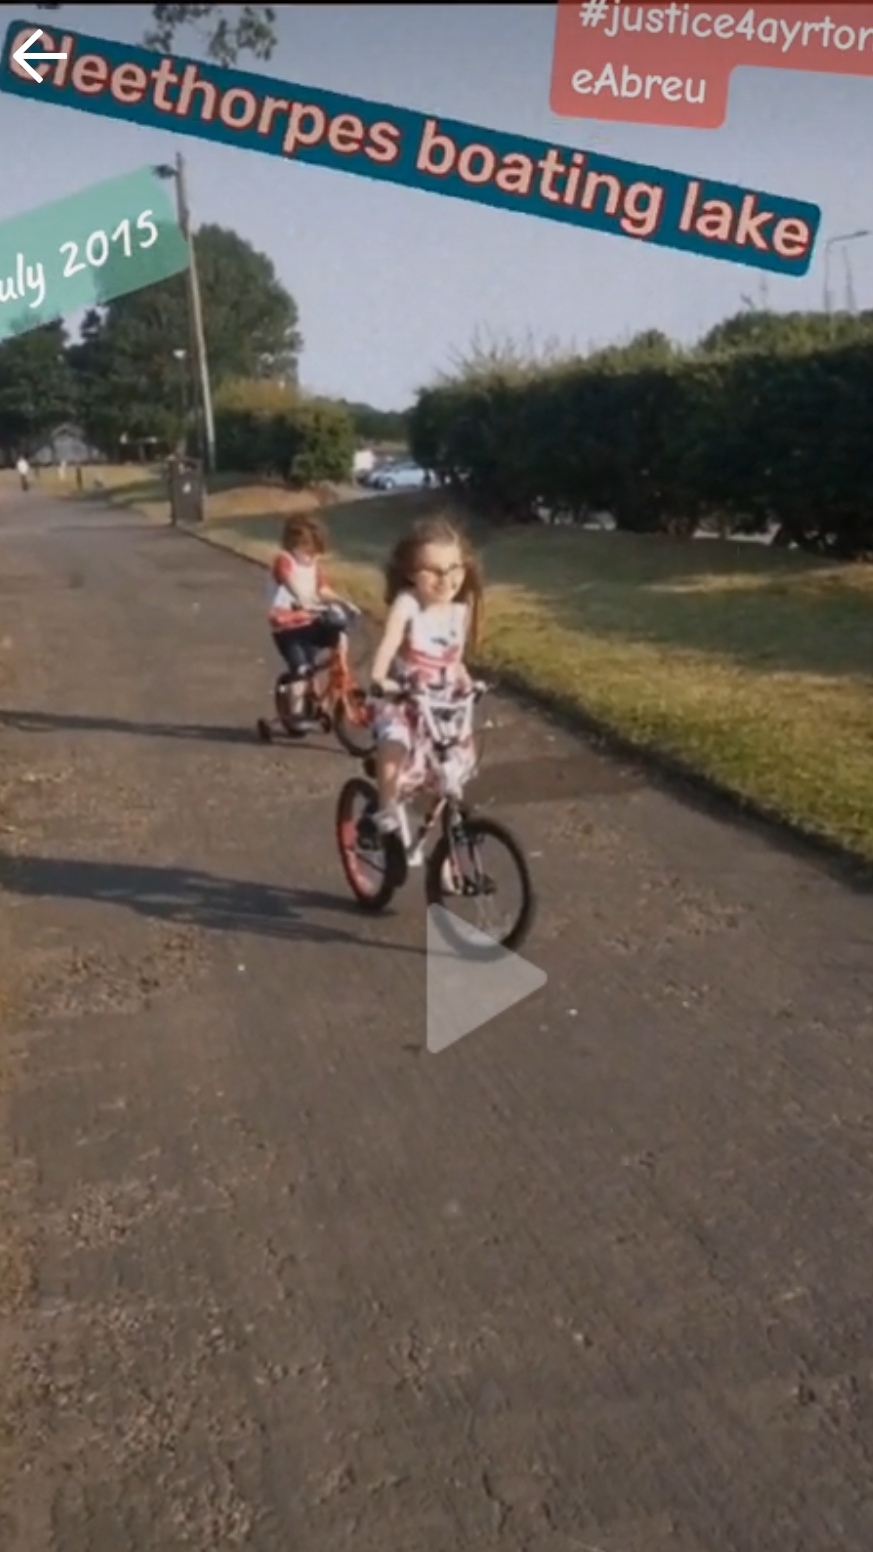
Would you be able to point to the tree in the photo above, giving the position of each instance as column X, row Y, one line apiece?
column 132, row 376
column 373, row 425
column 251, row 321
column 253, row 32
column 125, row 390
column 753, row 330
column 649, row 348
column 266, row 429
column 37, row 388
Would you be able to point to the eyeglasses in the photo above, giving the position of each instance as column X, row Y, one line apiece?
column 441, row 575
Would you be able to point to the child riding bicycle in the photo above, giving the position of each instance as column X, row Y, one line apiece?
column 298, row 591
column 434, row 590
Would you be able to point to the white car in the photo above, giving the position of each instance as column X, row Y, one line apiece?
column 364, row 465
column 401, row 476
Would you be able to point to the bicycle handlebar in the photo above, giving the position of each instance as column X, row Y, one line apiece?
column 412, row 693
column 337, row 606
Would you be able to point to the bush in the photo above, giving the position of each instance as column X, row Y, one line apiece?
column 768, row 431
column 326, row 443
column 264, row 429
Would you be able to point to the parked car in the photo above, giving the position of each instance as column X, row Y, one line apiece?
column 401, row 476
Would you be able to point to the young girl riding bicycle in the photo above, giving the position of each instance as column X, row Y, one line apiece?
column 298, row 586
column 434, row 590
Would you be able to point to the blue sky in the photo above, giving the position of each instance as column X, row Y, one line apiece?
column 392, row 282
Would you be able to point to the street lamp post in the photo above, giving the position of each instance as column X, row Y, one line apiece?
column 844, row 237
column 195, row 312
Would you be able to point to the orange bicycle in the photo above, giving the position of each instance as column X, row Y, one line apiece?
column 333, row 701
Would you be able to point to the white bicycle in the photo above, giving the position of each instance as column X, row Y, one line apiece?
column 444, row 760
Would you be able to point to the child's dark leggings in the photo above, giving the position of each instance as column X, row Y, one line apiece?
column 300, row 647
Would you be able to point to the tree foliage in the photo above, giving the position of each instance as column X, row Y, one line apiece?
column 264, row 428
column 374, row 425
column 773, row 331
column 252, row 32
column 37, row 389
column 767, row 419
column 131, row 374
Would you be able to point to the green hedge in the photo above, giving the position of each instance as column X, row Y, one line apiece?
column 748, row 436
column 264, row 429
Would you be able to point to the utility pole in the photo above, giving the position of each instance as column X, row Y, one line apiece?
column 195, row 316
column 844, row 237
column 851, row 307
column 198, row 339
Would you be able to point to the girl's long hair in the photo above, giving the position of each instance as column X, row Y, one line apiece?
column 304, row 528
column 403, row 563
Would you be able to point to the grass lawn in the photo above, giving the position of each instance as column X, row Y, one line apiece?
column 753, row 666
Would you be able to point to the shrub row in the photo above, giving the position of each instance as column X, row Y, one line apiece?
column 747, row 438
column 264, row 429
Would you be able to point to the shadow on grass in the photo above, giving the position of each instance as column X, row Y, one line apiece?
column 183, row 895
column 146, row 487
column 763, row 610
column 145, row 490
column 362, row 531
column 767, row 610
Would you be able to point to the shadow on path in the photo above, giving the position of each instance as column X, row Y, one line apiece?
column 174, row 894
column 70, row 722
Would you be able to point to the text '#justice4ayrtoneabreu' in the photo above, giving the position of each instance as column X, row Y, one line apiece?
column 420, row 151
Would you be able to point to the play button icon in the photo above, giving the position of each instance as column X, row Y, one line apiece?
column 470, row 979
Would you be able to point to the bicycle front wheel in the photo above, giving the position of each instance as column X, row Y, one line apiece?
column 363, row 852
column 479, row 874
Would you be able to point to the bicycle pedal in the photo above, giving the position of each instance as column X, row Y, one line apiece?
column 368, row 837
column 396, row 860
column 475, row 888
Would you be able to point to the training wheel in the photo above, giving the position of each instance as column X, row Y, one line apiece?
column 265, row 732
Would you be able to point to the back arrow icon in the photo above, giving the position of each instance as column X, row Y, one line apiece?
column 23, row 58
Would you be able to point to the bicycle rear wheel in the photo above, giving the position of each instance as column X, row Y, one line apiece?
column 282, row 700
column 461, row 873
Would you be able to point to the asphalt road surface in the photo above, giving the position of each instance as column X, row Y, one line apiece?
column 595, row 1279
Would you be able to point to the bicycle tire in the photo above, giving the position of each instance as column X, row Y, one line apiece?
column 281, row 703
column 479, row 825
column 355, row 737
column 357, row 787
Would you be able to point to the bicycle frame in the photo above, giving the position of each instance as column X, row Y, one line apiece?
column 447, row 723
column 337, row 677
column 331, row 693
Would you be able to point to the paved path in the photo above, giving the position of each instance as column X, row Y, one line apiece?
column 598, row 1277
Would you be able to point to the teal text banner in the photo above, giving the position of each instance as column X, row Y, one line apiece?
column 86, row 249
column 299, row 123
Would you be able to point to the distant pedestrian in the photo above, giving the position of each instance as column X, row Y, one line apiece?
column 23, row 468
column 80, row 479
